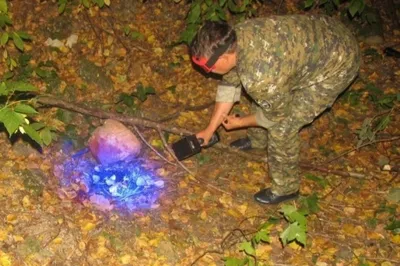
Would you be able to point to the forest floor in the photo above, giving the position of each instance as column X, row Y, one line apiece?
column 355, row 219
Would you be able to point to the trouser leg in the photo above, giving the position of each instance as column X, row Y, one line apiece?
column 283, row 159
column 283, row 138
column 257, row 135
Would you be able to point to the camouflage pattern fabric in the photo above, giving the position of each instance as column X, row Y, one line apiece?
column 293, row 67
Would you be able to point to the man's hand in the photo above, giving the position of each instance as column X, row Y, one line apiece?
column 235, row 121
column 206, row 135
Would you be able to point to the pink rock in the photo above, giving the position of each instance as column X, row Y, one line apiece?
column 113, row 142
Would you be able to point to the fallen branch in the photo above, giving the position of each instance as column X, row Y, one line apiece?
column 365, row 144
column 151, row 147
column 134, row 121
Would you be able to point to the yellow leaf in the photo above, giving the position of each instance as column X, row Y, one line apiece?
column 233, row 213
column 26, row 202
column 242, row 208
column 157, row 143
column 295, row 246
column 182, row 184
column 82, row 246
column 386, row 263
column 203, row 215
column 11, row 218
column 226, row 200
column 107, row 2
column 396, row 239
column 5, row 259
column 88, row 226
column 125, row 259
column 158, row 51
column 57, row 240
column 3, row 235
column 151, row 39
column 18, row 238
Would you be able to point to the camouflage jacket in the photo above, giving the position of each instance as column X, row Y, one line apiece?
column 280, row 54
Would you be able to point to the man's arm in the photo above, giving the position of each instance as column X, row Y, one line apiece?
column 221, row 111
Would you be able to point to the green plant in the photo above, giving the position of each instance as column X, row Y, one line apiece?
column 354, row 8
column 8, row 35
column 128, row 99
column 295, row 231
column 371, row 126
column 17, row 113
column 202, row 10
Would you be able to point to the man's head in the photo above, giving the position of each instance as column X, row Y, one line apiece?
column 214, row 47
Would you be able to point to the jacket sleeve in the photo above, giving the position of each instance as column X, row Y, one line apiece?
column 229, row 90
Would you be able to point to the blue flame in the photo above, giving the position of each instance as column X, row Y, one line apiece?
column 126, row 186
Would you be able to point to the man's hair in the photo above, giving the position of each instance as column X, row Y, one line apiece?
column 211, row 36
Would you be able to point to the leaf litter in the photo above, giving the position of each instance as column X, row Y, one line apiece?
column 355, row 221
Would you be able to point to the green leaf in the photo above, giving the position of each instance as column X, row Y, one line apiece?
column 100, row 3
column 20, row 86
column 86, row 3
column 294, row 232
column 194, row 13
column 33, row 134
column 19, row 43
column 394, row 226
column 3, row 89
column 61, row 8
column 383, row 123
column 247, row 248
column 37, row 126
column 4, row 39
column 355, row 6
column 308, row 3
column 222, row 3
column 262, row 235
column 287, row 209
column 127, row 99
column 4, row 20
column 8, row 75
column 42, row 73
column 235, row 262
column 141, row 92
column 24, row 109
column 311, row 203
column 135, row 35
column 45, row 135
column 322, row 182
column 24, row 59
column 336, row 2
column 172, row 89
column 11, row 120
column 3, row 6
column 24, row 35
column 299, row 218
column 394, row 195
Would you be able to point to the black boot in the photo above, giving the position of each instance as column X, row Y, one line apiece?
column 267, row 197
column 243, row 144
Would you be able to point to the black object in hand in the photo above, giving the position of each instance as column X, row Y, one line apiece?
column 190, row 145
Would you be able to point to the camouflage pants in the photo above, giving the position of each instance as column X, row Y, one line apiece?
column 282, row 140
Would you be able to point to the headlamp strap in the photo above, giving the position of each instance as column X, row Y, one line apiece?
column 219, row 51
